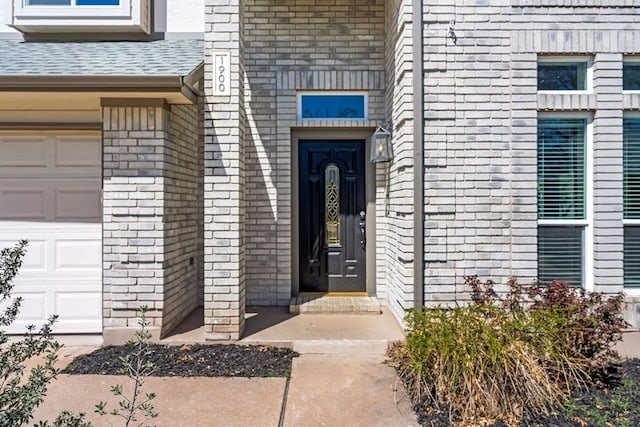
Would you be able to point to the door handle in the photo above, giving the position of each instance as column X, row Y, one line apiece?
column 363, row 229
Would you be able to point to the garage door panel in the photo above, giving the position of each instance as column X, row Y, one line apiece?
column 21, row 203
column 35, row 260
column 78, row 203
column 74, row 151
column 78, row 305
column 33, row 307
column 20, row 152
column 53, row 156
column 50, row 195
column 51, row 199
column 77, row 255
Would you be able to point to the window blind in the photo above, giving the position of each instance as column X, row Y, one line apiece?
column 631, row 167
column 632, row 256
column 561, row 164
column 560, row 254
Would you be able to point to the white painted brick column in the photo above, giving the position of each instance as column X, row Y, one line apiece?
column 224, row 219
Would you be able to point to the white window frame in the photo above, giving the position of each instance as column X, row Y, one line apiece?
column 631, row 222
column 299, row 96
column 569, row 59
column 22, row 10
column 630, row 60
column 587, row 222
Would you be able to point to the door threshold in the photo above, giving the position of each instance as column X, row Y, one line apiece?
column 331, row 294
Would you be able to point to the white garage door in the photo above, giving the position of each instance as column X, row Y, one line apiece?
column 50, row 195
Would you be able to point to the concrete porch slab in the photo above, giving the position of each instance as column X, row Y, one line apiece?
column 317, row 333
column 322, row 333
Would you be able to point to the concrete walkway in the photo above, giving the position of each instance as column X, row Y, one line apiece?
column 339, row 380
column 324, row 390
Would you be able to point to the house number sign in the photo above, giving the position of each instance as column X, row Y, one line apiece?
column 222, row 74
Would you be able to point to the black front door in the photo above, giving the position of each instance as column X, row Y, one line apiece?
column 332, row 206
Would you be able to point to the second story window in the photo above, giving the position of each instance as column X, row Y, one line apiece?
column 108, row 17
column 631, row 75
column 563, row 74
column 72, row 2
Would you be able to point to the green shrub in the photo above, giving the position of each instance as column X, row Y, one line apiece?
column 20, row 394
column 505, row 355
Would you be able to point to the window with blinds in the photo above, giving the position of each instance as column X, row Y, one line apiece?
column 631, row 200
column 560, row 251
column 561, row 199
column 631, row 256
column 631, row 167
column 561, row 165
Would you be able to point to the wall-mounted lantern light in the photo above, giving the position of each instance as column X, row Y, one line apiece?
column 381, row 148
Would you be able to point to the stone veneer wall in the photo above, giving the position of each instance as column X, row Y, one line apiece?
column 148, row 221
column 482, row 106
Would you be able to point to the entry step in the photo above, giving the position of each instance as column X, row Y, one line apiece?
column 334, row 304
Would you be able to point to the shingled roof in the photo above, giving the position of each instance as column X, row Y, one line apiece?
column 111, row 58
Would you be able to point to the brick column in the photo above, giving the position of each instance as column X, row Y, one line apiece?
column 133, row 231
column 608, row 230
column 150, row 211
column 224, row 277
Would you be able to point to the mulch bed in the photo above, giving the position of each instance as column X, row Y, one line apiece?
column 198, row 360
column 617, row 403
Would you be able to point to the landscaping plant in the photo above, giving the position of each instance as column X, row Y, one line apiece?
column 21, row 393
column 507, row 355
column 136, row 367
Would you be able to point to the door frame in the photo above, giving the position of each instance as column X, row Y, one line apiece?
column 333, row 134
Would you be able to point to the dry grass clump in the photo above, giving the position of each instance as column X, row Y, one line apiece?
column 502, row 357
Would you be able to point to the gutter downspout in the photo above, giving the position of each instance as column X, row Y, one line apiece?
column 418, row 156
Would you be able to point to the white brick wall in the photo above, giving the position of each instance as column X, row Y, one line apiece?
column 224, row 181
column 150, row 214
column 481, row 111
column 395, row 181
column 481, row 107
column 300, row 45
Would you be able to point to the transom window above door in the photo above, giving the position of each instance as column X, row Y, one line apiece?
column 332, row 105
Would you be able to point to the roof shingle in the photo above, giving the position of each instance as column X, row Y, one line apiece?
column 127, row 58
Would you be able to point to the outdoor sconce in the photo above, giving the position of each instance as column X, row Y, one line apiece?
column 381, row 148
